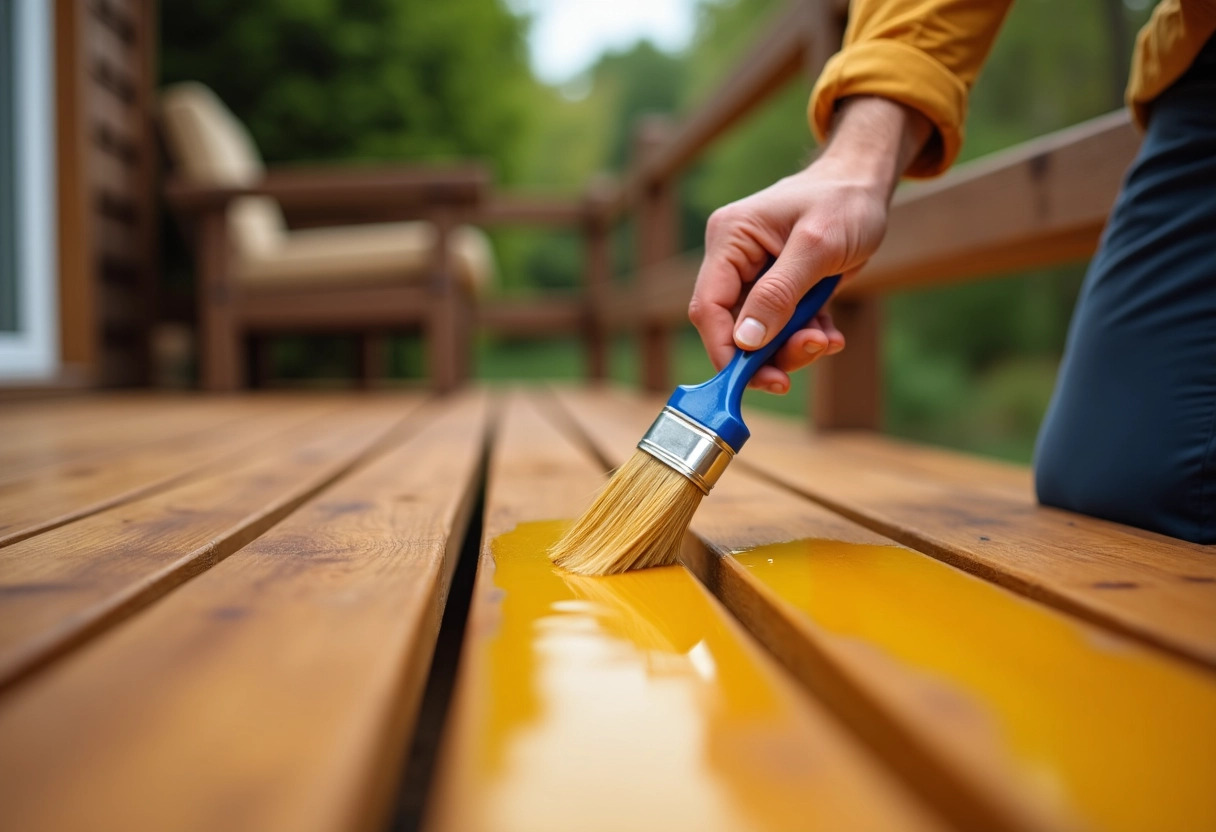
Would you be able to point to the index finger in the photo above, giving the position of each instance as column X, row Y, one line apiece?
column 718, row 290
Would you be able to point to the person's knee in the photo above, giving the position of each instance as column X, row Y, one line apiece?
column 1130, row 486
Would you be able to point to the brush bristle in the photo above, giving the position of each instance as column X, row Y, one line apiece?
column 638, row 520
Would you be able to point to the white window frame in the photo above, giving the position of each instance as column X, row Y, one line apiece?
column 32, row 353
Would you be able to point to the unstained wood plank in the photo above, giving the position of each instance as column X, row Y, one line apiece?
column 62, row 431
column 628, row 702
column 59, row 588
column 276, row 691
column 1007, row 713
column 60, row 493
column 953, row 466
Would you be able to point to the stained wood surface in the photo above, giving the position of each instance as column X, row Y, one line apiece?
column 61, row 492
column 278, row 689
column 60, row 587
column 631, row 702
column 1000, row 710
column 1155, row 588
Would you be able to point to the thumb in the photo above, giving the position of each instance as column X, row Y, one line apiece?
column 771, row 301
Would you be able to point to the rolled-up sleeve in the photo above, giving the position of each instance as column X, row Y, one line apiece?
column 924, row 54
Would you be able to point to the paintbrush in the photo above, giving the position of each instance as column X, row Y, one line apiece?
column 639, row 518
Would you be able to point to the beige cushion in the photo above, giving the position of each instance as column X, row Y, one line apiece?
column 378, row 253
column 209, row 146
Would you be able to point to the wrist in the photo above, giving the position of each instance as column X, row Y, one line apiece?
column 873, row 141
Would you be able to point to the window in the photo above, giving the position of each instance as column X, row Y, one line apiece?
column 28, row 277
column 8, row 261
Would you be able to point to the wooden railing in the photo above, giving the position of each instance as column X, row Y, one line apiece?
column 1038, row 204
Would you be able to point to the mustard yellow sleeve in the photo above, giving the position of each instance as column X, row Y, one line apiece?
column 924, row 54
column 1165, row 49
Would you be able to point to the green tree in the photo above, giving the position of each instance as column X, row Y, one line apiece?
column 380, row 80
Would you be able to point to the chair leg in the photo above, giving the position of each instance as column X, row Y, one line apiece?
column 372, row 357
column 221, row 358
column 219, row 335
column 262, row 365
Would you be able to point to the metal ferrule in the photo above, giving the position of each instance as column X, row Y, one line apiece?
column 688, row 447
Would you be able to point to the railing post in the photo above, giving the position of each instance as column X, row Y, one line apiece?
column 657, row 232
column 597, row 279
column 847, row 392
column 848, row 387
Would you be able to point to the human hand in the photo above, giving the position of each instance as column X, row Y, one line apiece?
column 827, row 219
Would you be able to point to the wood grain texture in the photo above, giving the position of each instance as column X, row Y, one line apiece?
column 276, row 691
column 58, row 494
column 956, row 710
column 42, row 434
column 940, row 463
column 566, row 716
column 61, row 587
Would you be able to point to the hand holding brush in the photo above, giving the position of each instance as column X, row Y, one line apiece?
column 641, row 515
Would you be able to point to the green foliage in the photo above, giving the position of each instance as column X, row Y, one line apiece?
column 412, row 80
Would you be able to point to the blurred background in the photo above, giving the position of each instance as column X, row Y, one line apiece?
column 549, row 93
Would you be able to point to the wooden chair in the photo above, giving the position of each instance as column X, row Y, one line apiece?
column 377, row 272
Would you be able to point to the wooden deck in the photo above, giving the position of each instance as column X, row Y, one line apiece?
column 221, row 613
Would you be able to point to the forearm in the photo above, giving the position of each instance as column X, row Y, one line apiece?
column 874, row 140
column 924, row 54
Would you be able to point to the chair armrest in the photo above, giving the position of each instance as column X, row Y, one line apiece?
column 393, row 191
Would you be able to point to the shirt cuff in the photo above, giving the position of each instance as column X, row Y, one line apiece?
column 902, row 73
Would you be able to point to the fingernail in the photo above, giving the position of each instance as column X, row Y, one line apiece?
column 750, row 333
column 835, row 348
column 814, row 347
column 776, row 387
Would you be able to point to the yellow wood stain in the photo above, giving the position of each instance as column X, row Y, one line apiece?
column 1113, row 733
column 629, row 702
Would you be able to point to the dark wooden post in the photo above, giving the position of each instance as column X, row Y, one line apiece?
column 657, row 240
column 451, row 315
column 847, row 392
column 848, row 387
column 372, row 358
column 219, row 335
column 597, row 278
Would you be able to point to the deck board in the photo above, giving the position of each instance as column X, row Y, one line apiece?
column 60, row 587
column 220, row 612
column 629, row 702
column 65, row 431
column 58, row 493
column 278, row 689
column 999, row 708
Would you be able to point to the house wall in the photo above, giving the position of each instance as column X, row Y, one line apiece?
column 106, row 159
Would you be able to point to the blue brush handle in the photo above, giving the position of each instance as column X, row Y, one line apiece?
column 717, row 404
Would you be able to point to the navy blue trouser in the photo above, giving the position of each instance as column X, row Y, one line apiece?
column 1130, row 434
